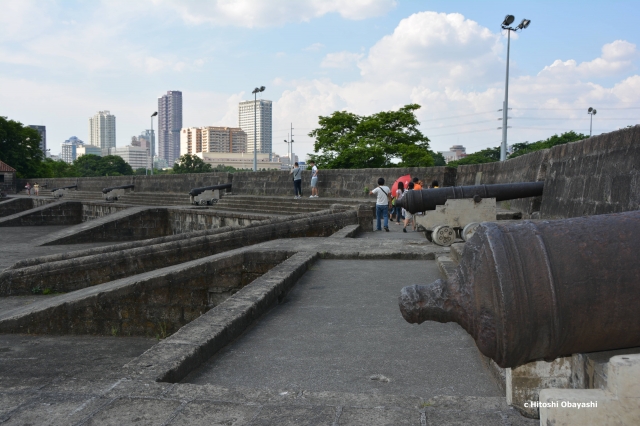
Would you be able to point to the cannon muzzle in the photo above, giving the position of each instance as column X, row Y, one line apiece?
column 428, row 199
column 541, row 290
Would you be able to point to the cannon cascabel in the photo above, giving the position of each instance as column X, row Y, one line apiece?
column 540, row 290
column 428, row 199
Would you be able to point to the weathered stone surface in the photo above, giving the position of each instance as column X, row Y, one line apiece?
column 57, row 213
column 19, row 204
column 75, row 273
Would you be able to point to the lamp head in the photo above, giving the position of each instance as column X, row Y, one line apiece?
column 256, row 90
column 508, row 20
column 154, row 114
column 524, row 24
column 594, row 112
column 262, row 88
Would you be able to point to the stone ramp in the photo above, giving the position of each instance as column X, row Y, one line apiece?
column 109, row 228
column 56, row 213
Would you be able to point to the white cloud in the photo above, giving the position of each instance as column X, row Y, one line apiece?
column 341, row 60
column 259, row 13
column 314, row 47
column 452, row 66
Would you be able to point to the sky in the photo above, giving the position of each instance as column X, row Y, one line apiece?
column 62, row 61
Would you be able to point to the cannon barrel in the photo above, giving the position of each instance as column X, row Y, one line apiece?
column 428, row 199
column 540, row 290
column 196, row 191
column 65, row 187
column 105, row 190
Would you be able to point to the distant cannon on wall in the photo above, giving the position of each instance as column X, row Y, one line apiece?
column 113, row 193
column 207, row 195
column 456, row 211
column 530, row 290
column 60, row 192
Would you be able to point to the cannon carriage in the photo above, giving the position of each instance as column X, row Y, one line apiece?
column 456, row 211
column 207, row 195
column 113, row 193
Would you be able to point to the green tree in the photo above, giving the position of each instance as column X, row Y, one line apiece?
column 438, row 159
column 190, row 163
column 348, row 141
column 20, row 148
column 57, row 169
column 526, row 147
column 92, row 165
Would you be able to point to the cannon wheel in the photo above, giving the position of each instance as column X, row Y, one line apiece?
column 469, row 230
column 203, row 202
column 443, row 235
column 213, row 201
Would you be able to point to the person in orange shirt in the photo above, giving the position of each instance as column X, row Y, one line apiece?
column 417, row 185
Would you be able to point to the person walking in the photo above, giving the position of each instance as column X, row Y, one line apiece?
column 408, row 216
column 382, row 204
column 36, row 188
column 399, row 194
column 296, row 171
column 28, row 188
column 314, row 180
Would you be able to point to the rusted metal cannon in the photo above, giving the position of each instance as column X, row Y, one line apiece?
column 455, row 211
column 207, row 194
column 540, row 290
column 114, row 192
column 428, row 199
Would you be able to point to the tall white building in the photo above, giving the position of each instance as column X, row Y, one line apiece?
column 70, row 149
column 194, row 140
column 263, row 111
column 169, row 125
column 102, row 130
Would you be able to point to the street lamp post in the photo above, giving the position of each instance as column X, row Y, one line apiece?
column 255, row 126
column 153, row 145
column 508, row 20
column 290, row 144
column 591, row 112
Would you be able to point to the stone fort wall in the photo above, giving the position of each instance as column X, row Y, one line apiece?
column 594, row 176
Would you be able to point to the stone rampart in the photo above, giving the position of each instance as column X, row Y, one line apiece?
column 598, row 175
column 178, row 183
column 58, row 213
column 17, row 205
column 338, row 183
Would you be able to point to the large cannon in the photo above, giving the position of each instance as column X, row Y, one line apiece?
column 456, row 211
column 540, row 290
column 114, row 192
column 59, row 192
column 207, row 194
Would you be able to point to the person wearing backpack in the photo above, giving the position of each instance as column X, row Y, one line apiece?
column 382, row 204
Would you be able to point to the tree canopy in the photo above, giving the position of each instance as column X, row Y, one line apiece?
column 190, row 163
column 348, row 141
column 490, row 155
column 526, row 147
column 93, row 165
column 20, row 147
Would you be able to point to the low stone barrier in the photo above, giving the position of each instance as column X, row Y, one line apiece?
column 76, row 273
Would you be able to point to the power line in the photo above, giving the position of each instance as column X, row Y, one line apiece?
column 460, row 124
column 458, row 116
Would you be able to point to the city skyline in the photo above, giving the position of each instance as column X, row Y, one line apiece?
column 364, row 57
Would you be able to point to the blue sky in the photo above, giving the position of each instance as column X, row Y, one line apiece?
column 62, row 61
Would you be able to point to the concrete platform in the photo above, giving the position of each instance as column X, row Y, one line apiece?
column 340, row 330
column 20, row 242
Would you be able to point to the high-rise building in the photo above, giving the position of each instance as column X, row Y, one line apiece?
column 263, row 113
column 169, row 125
column 194, row 140
column 136, row 156
column 69, row 149
column 43, row 137
column 102, row 130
